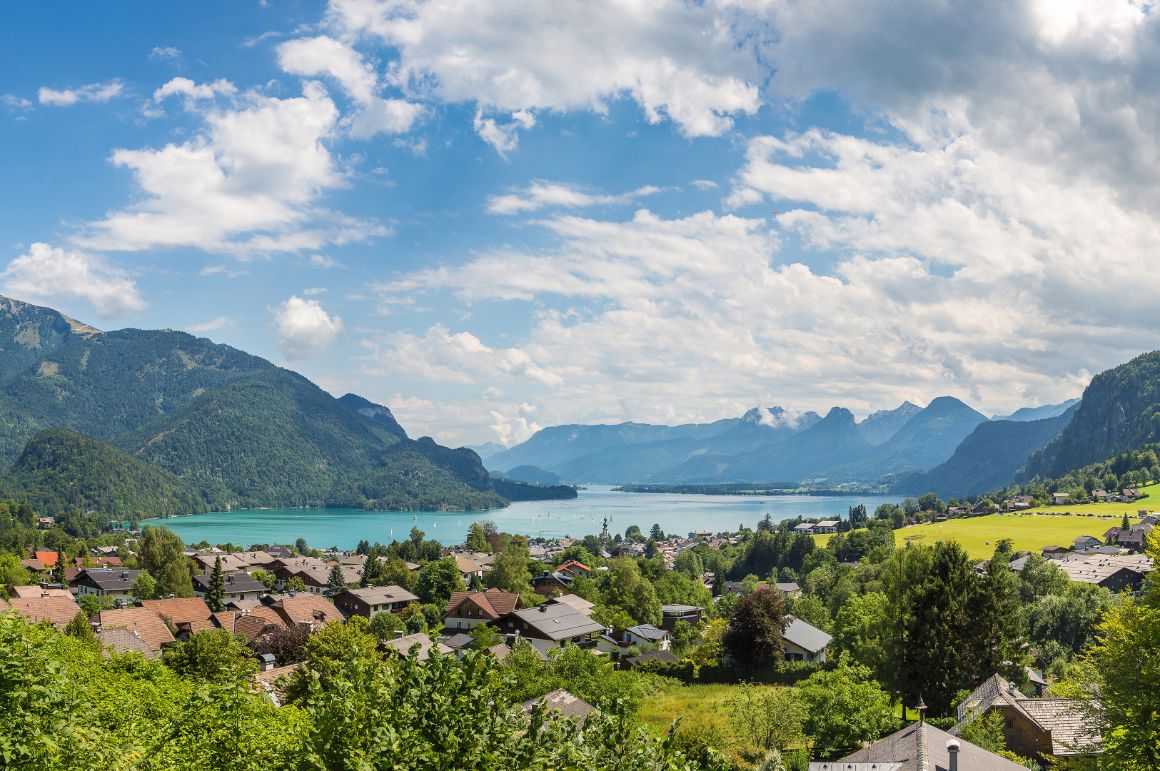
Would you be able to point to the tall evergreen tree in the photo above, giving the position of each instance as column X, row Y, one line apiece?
column 58, row 576
column 215, row 597
column 956, row 628
column 336, row 583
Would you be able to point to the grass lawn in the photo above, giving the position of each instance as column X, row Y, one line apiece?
column 698, row 706
column 1031, row 532
column 1031, row 529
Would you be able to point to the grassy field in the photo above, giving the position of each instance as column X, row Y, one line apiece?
column 1031, row 532
column 698, row 706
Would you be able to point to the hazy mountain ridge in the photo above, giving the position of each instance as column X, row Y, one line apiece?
column 988, row 459
column 763, row 444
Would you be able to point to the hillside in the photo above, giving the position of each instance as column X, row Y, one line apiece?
column 986, row 460
column 1120, row 410
column 61, row 470
column 239, row 430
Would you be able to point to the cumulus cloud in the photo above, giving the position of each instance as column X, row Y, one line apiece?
column 304, row 328
column 698, row 318
column 48, row 272
column 324, row 55
column 503, row 137
column 680, row 61
column 248, row 185
column 194, row 91
column 94, row 92
column 164, row 53
column 542, row 194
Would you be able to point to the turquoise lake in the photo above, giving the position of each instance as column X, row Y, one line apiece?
column 344, row 528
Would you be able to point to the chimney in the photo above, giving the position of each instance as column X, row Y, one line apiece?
column 544, row 607
column 953, row 751
column 398, row 634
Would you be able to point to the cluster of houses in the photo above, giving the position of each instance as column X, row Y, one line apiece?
column 1023, row 502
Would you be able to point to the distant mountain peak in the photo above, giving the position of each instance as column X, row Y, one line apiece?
column 780, row 418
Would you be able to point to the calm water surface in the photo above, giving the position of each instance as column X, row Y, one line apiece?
column 344, row 528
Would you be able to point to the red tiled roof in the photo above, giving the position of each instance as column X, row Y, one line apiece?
column 493, row 602
column 182, row 610
column 300, row 609
column 56, row 610
column 249, row 624
column 47, row 558
column 38, row 591
column 571, row 563
column 145, row 622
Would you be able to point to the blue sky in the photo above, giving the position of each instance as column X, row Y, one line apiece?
column 495, row 216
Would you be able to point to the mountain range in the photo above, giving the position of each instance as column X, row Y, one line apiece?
column 157, row 421
column 945, row 446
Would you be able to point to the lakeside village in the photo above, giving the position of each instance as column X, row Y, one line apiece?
column 806, row 654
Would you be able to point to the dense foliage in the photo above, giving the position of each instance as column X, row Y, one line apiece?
column 64, row 706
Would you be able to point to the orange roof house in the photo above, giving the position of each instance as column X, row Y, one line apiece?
column 147, row 624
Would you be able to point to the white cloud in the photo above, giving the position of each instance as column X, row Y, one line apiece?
column 542, row 194
column 49, row 272
column 249, row 185
column 304, row 328
column 94, row 92
column 698, row 318
column 314, row 291
column 323, row 262
column 683, row 61
column 503, row 137
column 704, row 184
column 165, row 53
column 459, row 357
column 310, row 57
column 194, row 91
column 15, row 103
column 221, row 322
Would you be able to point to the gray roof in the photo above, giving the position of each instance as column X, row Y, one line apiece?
column 680, row 608
column 575, row 601
column 458, row 641
column 805, row 636
column 787, row 586
column 1069, row 722
column 232, row 583
column 647, row 632
column 563, row 702
column 382, row 595
column 111, row 580
column 558, row 622
column 921, row 747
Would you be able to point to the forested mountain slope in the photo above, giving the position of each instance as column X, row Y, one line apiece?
column 1120, row 410
column 235, row 428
